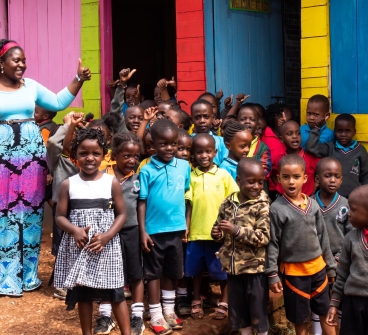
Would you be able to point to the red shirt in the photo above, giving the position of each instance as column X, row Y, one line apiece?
column 310, row 165
column 366, row 234
column 276, row 148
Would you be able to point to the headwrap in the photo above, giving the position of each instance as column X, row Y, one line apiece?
column 6, row 47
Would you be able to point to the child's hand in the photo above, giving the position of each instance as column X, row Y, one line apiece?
column 68, row 118
column 150, row 113
column 112, row 83
column 49, row 179
column 98, row 242
column 185, row 236
column 146, row 241
column 171, row 82
column 125, row 75
column 77, row 120
column 136, row 93
column 84, row 73
column 81, row 236
column 229, row 101
column 219, row 94
column 331, row 280
column 241, row 97
column 330, row 320
column 216, row 233
column 162, row 83
column 320, row 123
column 226, row 227
column 216, row 123
column 276, row 288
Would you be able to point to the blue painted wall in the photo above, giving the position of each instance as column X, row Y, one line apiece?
column 349, row 55
column 244, row 51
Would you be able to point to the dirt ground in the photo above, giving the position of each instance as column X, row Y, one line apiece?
column 39, row 313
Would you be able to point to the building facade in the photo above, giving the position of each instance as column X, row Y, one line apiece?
column 216, row 45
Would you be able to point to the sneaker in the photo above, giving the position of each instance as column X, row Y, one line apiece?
column 160, row 326
column 173, row 321
column 127, row 293
column 104, row 325
column 183, row 305
column 60, row 293
column 136, row 325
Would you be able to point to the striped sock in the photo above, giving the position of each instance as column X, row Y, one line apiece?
column 138, row 309
column 168, row 301
column 155, row 311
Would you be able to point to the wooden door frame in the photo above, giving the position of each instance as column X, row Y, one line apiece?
column 106, row 52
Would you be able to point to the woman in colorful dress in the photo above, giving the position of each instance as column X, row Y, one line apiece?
column 23, row 167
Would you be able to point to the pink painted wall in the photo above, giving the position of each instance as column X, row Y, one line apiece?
column 49, row 32
column 3, row 20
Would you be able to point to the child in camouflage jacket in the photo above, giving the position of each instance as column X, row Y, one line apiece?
column 243, row 225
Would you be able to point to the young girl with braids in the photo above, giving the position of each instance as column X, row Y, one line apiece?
column 238, row 141
column 91, row 212
column 242, row 142
column 126, row 150
column 275, row 117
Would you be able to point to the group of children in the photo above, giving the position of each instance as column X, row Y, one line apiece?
column 149, row 193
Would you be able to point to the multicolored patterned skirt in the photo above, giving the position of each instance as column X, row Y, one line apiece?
column 23, row 172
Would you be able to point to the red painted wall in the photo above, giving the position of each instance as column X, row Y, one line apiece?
column 190, row 50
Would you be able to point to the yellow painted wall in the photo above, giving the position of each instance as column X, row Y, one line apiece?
column 315, row 54
column 90, row 54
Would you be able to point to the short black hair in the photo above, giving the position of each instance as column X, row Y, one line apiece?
column 113, row 120
column 273, row 111
column 291, row 160
column 346, row 117
column 183, row 116
column 323, row 162
column 360, row 193
column 88, row 134
column 200, row 102
column 10, row 51
column 120, row 139
column 249, row 106
column 183, row 133
column 287, row 122
column 161, row 126
column 200, row 136
column 246, row 162
column 147, row 104
column 319, row 98
column 207, row 94
column 230, row 128
column 135, row 106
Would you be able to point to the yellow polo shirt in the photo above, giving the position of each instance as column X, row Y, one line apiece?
column 206, row 193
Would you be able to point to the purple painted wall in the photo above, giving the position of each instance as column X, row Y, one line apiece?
column 3, row 20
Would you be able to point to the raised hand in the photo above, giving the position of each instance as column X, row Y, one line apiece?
column 83, row 72
column 125, row 75
column 112, row 83
column 219, row 94
column 150, row 113
column 171, row 82
column 229, row 101
column 241, row 97
column 162, row 83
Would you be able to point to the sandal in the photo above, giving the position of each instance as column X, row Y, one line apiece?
column 221, row 313
column 197, row 309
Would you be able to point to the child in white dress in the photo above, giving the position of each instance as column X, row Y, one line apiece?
column 91, row 212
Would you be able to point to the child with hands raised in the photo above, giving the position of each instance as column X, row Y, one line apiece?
column 91, row 211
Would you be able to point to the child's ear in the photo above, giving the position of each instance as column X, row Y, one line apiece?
column 280, row 138
column 237, row 180
column 180, row 125
column 278, row 178
column 227, row 145
column 305, row 178
column 316, row 179
column 113, row 157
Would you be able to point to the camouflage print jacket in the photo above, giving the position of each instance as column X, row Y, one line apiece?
column 245, row 253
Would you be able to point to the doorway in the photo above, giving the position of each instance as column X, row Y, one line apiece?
column 144, row 38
